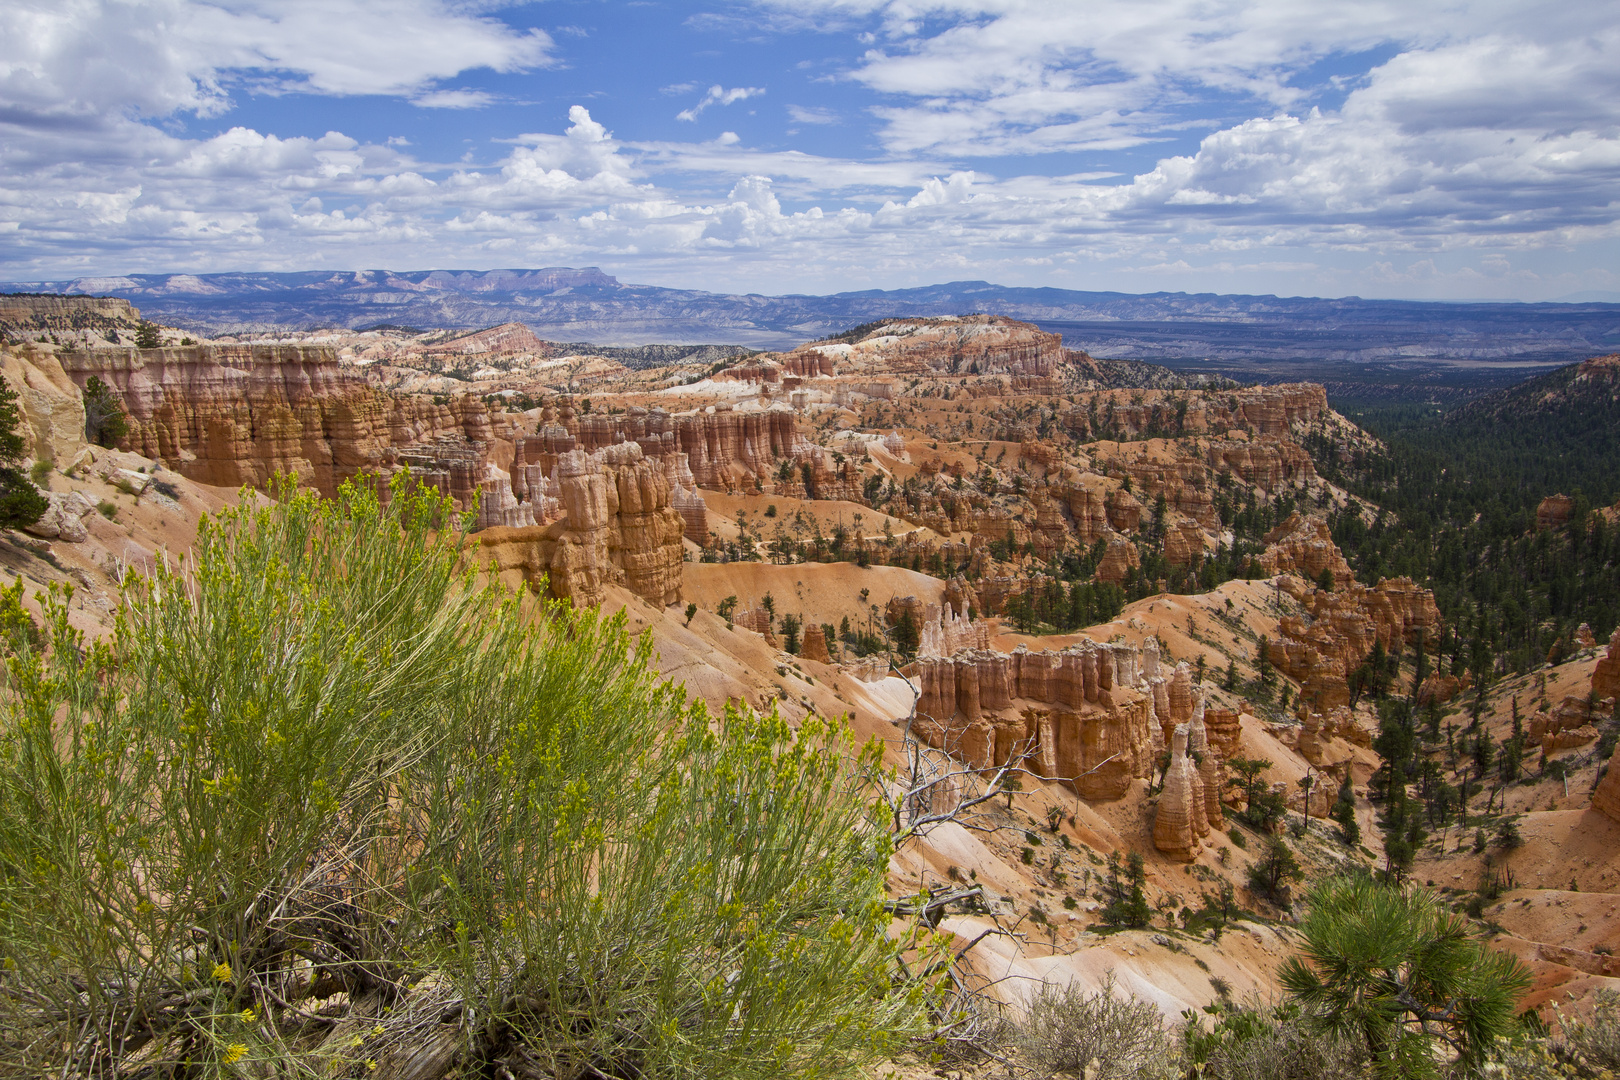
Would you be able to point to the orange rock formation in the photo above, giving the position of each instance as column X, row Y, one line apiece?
column 1086, row 713
column 1175, row 831
column 229, row 415
column 1304, row 545
column 618, row 528
column 1554, row 510
column 814, row 646
column 1606, row 676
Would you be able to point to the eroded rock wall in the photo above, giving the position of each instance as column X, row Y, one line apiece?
column 721, row 448
column 229, row 415
column 1304, row 545
column 1086, row 714
column 969, row 345
column 24, row 312
column 1175, row 830
column 618, row 528
column 51, row 403
column 1341, row 625
column 1606, row 676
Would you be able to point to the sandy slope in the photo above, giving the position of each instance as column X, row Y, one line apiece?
column 142, row 528
column 827, row 513
column 818, row 592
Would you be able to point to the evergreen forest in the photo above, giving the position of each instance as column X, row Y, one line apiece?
column 1451, row 498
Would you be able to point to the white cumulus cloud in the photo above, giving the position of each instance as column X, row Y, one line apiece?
column 719, row 95
column 1479, row 142
column 80, row 60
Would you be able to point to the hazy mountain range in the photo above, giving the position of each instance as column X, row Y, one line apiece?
column 1231, row 333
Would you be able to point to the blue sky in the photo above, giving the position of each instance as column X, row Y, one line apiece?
column 1450, row 150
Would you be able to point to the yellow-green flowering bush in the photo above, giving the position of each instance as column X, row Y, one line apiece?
column 330, row 795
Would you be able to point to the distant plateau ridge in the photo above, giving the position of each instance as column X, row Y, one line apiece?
column 1267, row 337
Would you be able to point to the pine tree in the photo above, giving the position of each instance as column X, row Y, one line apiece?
column 1270, row 875
column 1130, row 906
column 1394, row 968
column 1420, row 662
column 104, row 420
column 1484, row 754
column 907, row 634
column 1344, row 812
column 21, row 503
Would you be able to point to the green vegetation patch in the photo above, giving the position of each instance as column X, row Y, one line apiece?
column 326, row 756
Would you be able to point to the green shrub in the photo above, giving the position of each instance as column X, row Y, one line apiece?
column 1239, row 841
column 15, row 621
column 324, row 756
column 1597, row 1039
column 1508, row 835
column 1100, row 1035
column 1250, row 1042
column 40, row 472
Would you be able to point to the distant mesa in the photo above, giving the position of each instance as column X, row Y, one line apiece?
column 585, row 304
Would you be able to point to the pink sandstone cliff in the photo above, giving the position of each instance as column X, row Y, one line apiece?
column 617, row 528
column 229, row 415
column 1092, row 717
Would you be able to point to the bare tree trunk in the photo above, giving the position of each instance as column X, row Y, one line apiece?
column 427, row 1057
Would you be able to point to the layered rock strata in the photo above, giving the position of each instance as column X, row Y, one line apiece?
column 1553, row 511
column 1574, row 721
column 1211, row 768
column 1174, row 830
column 1439, row 689
column 721, row 447
column 1316, row 729
column 814, row 646
column 970, row 345
column 229, row 415
column 945, row 633
column 760, row 622
column 21, row 313
column 1606, row 687
column 1223, row 729
column 1090, row 716
column 618, row 528
column 1322, row 649
column 51, row 404
column 1189, row 806
column 1084, row 714
column 463, row 471
column 1304, row 545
